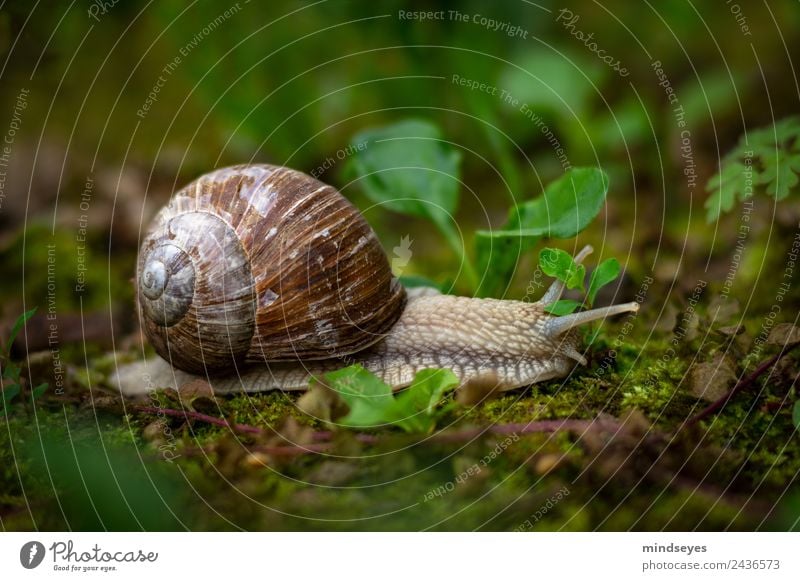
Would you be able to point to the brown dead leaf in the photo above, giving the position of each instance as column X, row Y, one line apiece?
column 154, row 431
column 322, row 403
column 195, row 388
column 546, row 463
column 784, row 334
column 731, row 331
column 197, row 394
column 722, row 309
column 712, row 379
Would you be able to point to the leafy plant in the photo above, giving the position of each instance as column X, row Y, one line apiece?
column 769, row 157
column 560, row 265
column 566, row 207
column 11, row 370
column 409, row 168
column 372, row 403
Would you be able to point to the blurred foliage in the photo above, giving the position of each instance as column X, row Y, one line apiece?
column 291, row 83
column 768, row 158
column 146, row 97
column 80, row 471
column 10, row 371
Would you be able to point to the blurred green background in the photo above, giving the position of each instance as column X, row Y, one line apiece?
column 117, row 105
column 290, row 83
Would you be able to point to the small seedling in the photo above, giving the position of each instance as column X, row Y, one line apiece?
column 560, row 265
column 409, row 168
column 11, row 370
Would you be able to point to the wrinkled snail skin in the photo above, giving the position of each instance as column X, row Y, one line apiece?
column 261, row 264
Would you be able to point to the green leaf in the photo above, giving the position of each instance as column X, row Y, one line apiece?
column 39, row 390
column 606, row 272
column 559, row 264
column 775, row 154
column 725, row 187
column 771, row 137
column 796, row 415
column 562, row 307
column 415, row 409
column 556, row 83
column 569, row 204
column 372, row 404
column 780, row 173
column 11, row 371
column 20, row 322
column 497, row 254
column 8, row 393
column 409, row 168
column 369, row 399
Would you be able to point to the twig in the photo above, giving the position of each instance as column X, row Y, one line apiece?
column 186, row 414
column 740, row 386
column 323, row 438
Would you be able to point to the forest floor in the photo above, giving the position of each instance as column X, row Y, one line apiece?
column 608, row 448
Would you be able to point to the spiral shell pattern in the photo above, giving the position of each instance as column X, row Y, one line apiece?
column 262, row 263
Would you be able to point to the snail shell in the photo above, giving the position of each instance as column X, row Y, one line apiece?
column 262, row 263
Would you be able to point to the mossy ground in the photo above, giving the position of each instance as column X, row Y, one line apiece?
column 87, row 463
column 87, row 460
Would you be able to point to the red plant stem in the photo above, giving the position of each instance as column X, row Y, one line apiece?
column 322, row 438
column 244, row 428
column 741, row 385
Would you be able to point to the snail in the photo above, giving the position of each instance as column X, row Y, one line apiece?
column 258, row 277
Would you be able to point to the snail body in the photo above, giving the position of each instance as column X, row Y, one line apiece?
column 264, row 264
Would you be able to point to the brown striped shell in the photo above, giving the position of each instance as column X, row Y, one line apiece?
column 262, row 263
